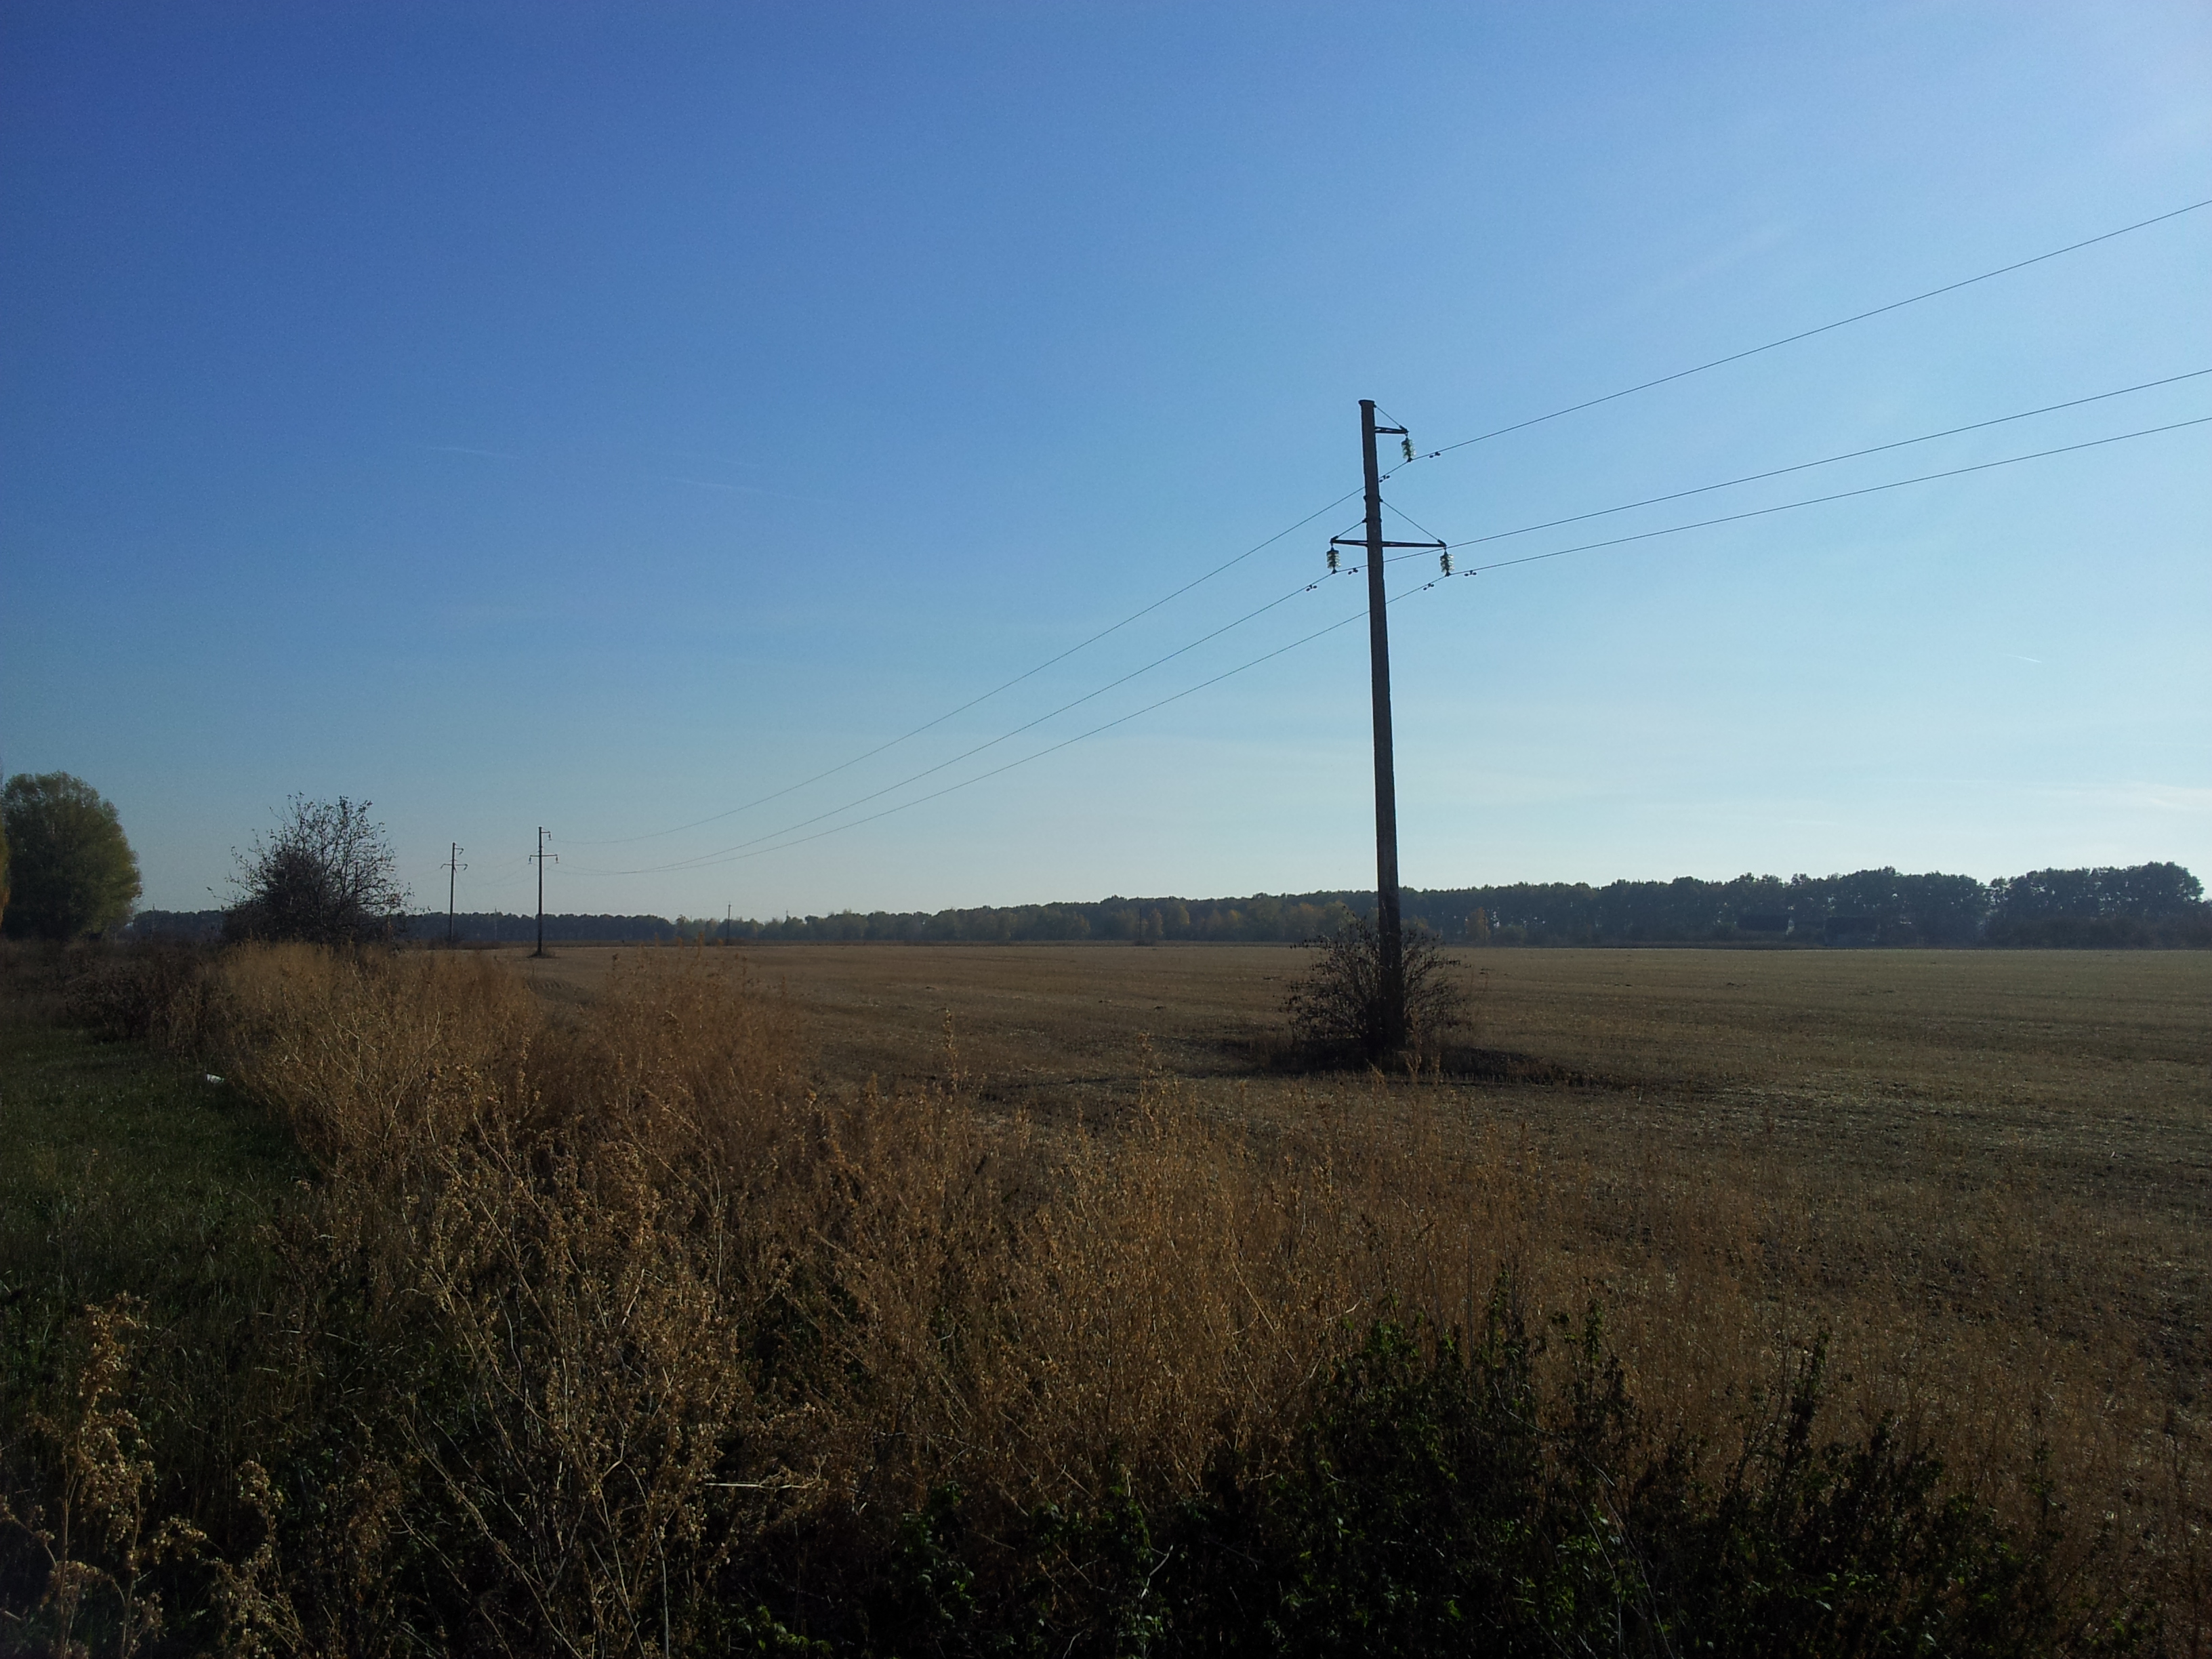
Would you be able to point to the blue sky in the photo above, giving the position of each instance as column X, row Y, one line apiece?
column 605, row 416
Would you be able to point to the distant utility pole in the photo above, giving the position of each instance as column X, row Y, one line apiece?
column 453, row 868
column 1387, row 925
column 539, row 857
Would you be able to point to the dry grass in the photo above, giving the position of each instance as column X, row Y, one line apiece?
column 1988, row 1174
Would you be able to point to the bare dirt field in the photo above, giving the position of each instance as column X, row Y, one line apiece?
column 2094, row 1069
column 2017, row 1138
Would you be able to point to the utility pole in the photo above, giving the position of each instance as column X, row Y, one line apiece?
column 453, row 868
column 1389, row 932
column 540, row 857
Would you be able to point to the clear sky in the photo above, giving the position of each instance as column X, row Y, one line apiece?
column 603, row 417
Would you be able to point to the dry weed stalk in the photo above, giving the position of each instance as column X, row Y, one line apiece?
column 97, row 1537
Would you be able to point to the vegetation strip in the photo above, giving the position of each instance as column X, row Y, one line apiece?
column 598, row 1328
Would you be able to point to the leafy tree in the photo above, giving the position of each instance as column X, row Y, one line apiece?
column 2141, row 890
column 72, row 871
column 326, row 876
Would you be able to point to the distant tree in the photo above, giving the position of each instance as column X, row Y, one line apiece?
column 1336, row 1008
column 326, row 876
column 2141, row 890
column 3, row 872
column 70, row 870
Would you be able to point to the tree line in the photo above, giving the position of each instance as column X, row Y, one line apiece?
column 2141, row 904
column 326, row 872
column 2145, row 904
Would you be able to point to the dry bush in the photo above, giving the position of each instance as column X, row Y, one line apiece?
column 1338, row 1010
column 376, row 1060
column 95, row 1532
column 691, row 1303
column 155, row 992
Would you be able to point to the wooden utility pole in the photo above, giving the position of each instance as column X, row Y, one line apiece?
column 541, row 855
column 1387, row 927
column 453, row 868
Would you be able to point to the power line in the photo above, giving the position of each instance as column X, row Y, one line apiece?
column 1825, row 460
column 1436, row 581
column 496, row 883
column 736, row 857
column 1121, row 719
column 1840, row 496
column 1080, row 645
column 1825, row 328
column 1413, row 522
column 930, row 771
column 753, row 849
column 1227, row 564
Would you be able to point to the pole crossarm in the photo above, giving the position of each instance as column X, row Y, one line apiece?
column 1362, row 541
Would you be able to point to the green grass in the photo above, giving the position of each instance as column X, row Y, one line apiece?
column 123, row 1170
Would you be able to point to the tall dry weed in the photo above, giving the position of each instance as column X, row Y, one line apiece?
column 96, row 1531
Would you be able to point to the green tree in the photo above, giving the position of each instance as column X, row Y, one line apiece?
column 70, row 871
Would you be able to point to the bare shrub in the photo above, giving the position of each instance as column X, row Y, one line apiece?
column 155, row 992
column 1337, row 1009
column 325, row 876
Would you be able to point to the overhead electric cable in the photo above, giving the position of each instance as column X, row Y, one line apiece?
column 930, row 771
column 1437, row 582
column 1120, row 720
column 1802, row 466
column 1463, row 443
column 1840, row 496
column 762, row 800
column 1825, row 328
column 1412, row 520
column 751, row 849
column 1052, row 748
